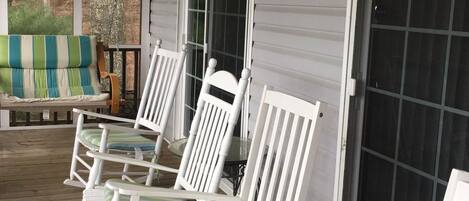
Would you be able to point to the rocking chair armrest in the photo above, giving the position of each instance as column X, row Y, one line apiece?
column 115, row 90
column 130, row 161
column 146, row 191
column 103, row 116
column 132, row 131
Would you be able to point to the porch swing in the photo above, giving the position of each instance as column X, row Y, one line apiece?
column 54, row 73
column 59, row 76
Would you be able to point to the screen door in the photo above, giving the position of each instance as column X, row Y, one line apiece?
column 416, row 114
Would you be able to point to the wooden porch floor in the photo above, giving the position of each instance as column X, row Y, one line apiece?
column 34, row 163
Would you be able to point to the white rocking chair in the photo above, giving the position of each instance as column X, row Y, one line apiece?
column 153, row 113
column 458, row 186
column 280, row 160
column 209, row 140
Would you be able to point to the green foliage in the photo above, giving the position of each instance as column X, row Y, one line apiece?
column 33, row 17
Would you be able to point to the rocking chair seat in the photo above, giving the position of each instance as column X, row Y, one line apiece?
column 116, row 140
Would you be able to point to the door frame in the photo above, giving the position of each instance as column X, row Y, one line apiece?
column 352, row 99
column 181, row 100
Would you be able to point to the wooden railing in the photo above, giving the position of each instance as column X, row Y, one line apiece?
column 130, row 56
column 124, row 60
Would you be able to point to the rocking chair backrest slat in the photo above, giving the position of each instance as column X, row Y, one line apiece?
column 160, row 88
column 282, row 149
column 160, row 110
column 158, row 83
column 160, row 91
column 211, row 132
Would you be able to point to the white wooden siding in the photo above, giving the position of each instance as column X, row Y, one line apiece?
column 297, row 49
column 164, row 21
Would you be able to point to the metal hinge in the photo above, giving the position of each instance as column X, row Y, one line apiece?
column 205, row 48
column 352, row 87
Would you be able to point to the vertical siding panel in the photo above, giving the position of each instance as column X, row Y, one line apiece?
column 297, row 49
column 163, row 25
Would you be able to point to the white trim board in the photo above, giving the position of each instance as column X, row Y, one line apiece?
column 180, row 99
column 248, row 41
column 178, row 111
column 145, row 40
column 345, row 94
column 3, row 17
column 77, row 17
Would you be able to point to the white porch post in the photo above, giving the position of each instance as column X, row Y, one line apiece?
column 4, row 17
column 77, row 30
column 4, row 114
column 77, row 17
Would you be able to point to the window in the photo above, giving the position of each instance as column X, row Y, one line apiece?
column 215, row 29
column 196, row 58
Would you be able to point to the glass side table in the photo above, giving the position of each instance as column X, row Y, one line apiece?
column 235, row 162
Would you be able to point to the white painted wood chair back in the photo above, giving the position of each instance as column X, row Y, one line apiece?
column 153, row 113
column 283, row 148
column 159, row 91
column 211, row 131
column 458, row 186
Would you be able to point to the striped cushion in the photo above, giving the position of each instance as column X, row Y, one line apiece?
column 48, row 66
column 116, row 140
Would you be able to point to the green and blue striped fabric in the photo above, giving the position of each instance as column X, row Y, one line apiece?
column 48, row 66
column 117, row 140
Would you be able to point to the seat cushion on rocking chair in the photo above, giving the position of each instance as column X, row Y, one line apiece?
column 116, row 140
